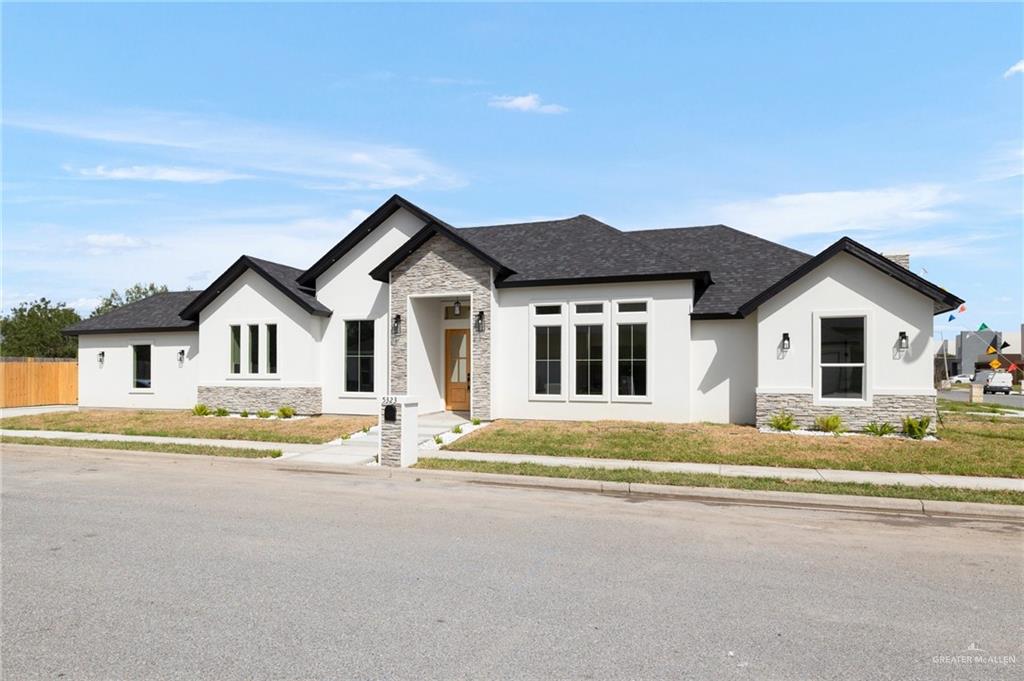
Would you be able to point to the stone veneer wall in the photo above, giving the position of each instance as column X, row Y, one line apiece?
column 891, row 408
column 391, row 438
column 441, row 266
column 305, row 399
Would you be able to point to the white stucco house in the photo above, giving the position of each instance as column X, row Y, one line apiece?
column 564, row 319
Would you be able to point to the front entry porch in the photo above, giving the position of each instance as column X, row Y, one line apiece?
column 440, row 361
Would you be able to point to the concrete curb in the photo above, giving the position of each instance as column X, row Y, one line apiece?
column 701, row 494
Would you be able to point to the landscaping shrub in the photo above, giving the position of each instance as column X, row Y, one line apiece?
column 475, row 421
column 286, row 412
column 833, row 423
column 457, row 429
column 879, row 429
column 200, row 410
column 366, row 429
column 244, row 413
column 263, row 413
column 437, row 440
column 782, row 421
column 916, row 428
column 220, row 411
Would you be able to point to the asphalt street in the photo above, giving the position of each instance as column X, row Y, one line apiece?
column 1011, row 400
column 150, row 567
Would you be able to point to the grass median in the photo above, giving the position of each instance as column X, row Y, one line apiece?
column 169, row 447
column 177, row 423
column 638, row 475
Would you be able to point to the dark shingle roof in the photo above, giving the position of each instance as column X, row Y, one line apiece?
column 283, row 277
column 571, row 250
column 742, row 265
column 158, row 312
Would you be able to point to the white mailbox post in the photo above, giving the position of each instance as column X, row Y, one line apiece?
column 398, row 445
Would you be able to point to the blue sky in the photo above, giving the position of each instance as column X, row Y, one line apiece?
column 160, row 142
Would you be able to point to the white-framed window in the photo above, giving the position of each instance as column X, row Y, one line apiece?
column 271, row 348
column 252, row 350
column 631, row 343
column 236, row 349
column 142, row 367
column 548, row 349
column 588, row 348
column 359, row 350
column 842, row 353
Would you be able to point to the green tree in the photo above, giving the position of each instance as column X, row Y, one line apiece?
column 34, row 330
column 131, row 294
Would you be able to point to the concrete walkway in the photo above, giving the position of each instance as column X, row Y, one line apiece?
column 362, row 449
column 821, row 475
column 10, row 412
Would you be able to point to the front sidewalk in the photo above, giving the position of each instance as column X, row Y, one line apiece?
column 362, row 450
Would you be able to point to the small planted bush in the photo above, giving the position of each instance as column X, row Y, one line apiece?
column 220, row 411
column 200, row 410
column 916, row 428
column 244, row 413
column 475, row 421
column 285, row 412
column 437, row 440
column 263, row 413
column 366, row 429
column 833, row 423
column 782, row 421
column 879, row 429
column 457, row 429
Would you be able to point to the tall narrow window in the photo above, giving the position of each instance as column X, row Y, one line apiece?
column 359, row 356
column 842, row 357
column 271, row 348
column 632, row 359
column 548, row 371
column 589, row 359
column 236, row 349
column 142, row 366
column 254, row 348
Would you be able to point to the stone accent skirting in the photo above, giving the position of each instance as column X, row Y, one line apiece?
column 304, row 399
column 891, row 408
column 391, row 438
column 440, row 266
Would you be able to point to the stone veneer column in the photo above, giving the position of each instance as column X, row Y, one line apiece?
column 440, row 266
column 891, row 408
column 397, row 445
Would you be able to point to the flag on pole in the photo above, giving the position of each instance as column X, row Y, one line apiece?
column 983, row 327
column 1012, row 367
column 1004, row 345
column 963, row 308
column 991, row 350
column 951, row 318
column 995, row 364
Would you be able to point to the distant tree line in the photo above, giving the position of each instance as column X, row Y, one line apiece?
column 34, row 329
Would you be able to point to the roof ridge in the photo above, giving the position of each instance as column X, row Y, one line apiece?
column 532, row 222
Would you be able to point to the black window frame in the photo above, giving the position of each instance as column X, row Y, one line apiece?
column 254, row 348
column 588, row 367
column 629, row 365
column 544, row 364
column 235, row 349
column 140, row 382
column 359, row 360
column 842, row 358
column 271, row 348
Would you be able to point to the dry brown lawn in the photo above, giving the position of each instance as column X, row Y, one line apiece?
column 967, row 445
column 314, row 430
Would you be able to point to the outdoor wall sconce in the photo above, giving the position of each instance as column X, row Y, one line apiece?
column 100, row 356
column 903, row 343
column 396, row 324
column 478, row 324
column 181, row 356
column 457, row 308
column 785, row 342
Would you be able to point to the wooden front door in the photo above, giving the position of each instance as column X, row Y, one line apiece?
column 456, row 369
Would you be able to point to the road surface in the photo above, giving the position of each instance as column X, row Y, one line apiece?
column 1011, row 400
column 156, row 566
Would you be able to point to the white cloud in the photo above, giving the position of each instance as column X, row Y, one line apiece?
column 105, row 244
column 790, row 215
column 159, row 174
column 1016, row 68
column 254, row 148
column 531, row 103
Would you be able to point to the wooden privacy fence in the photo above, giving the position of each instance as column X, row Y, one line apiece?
column 28, row 382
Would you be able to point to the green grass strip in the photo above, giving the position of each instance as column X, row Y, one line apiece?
column 728, row 482
column 966, row 407
column 168, row 447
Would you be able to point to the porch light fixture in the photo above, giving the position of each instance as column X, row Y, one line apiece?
column 181, row 356
column 100, row 356
column 457, row 309
column 903, row 343
column 478, row 323
column 785, row 342
column 396, row 324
